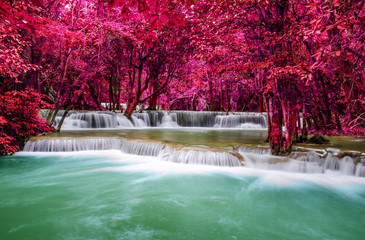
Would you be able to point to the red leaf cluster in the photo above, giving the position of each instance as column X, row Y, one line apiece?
column 19, row 119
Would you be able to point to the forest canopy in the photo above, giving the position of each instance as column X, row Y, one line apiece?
column 293, row 59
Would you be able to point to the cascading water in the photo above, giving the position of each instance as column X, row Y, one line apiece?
column 141, row 148
column 238, row 120
column 312, row 161
column 308, row 161
column 76, row 120
column 162, row 119
column 178, row 183
column 193, row 156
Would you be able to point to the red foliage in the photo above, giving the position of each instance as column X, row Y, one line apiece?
column 19, row 119
column 290, row 58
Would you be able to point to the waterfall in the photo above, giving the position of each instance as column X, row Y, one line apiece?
column 71, row 144
column 192, row 156
column 168, row 119
column 88, row 144
column 141, row 148
column 124, row 122
column 196, row 119
column 302, row 160
column 141, row 119
column 77, row 120
column 242, row 120
column 312, row 161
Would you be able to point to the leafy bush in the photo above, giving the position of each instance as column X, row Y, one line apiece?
column 19, row 119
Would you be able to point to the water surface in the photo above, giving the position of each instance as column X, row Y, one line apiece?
column 110, row 195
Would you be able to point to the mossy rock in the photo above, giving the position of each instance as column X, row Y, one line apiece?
column 318, row 139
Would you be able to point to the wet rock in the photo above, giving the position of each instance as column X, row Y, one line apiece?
column 352, row 154
column 362, row 158
column 318, row 139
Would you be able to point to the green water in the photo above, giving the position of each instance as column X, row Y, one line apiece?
column 114, row 196
column 207, row 137
column 189, row 136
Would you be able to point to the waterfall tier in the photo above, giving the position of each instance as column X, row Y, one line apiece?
column 309, row 161
column 191, row 156
column 142, row 148
column 163, row 119
column 302, row 161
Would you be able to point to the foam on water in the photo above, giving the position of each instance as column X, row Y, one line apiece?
column 153, row 164
column 114, row 195
column 313, row 161
column 141, row 148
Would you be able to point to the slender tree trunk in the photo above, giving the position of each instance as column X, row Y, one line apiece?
column 282, row 114
column 54, row 116
column 130, row 108
column 192, row 106
column 261, row 103
column 118, row 95
column 297, row 126
column 275, row 135
column 221, row 99
column 228, row 96
column 62, row 120
column 153, row 102
column 64, row 72
column 269, row 117
column 338, row 122
column 154, row 97
column 111, row 102
column 94, row 96
column 49, row 115
column 287, row 116
column 211, row 99
column 134, row 99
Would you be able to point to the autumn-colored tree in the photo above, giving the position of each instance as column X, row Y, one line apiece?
column 300, row 61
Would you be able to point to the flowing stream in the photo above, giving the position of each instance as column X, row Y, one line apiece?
column 176, row 175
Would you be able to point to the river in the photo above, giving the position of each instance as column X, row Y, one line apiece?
column 171, row 182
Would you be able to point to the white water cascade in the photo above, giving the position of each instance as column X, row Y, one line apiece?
column 162, row 119
column 310, row 161
column 77, row 120
column 141, row 148
column 193, row 156
column 245, row 121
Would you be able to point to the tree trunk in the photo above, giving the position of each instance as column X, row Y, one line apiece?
column 192, row 106
column 49, row 115
column 281, row 144
column 111, row 104
column 153, row 102
column 54, row 116
column 62, row 120
column 269, row 117
column 211, row 99
column 261, row 103
column 228, row 96
column 118, row 95
column 130, row 108
column 275, row 135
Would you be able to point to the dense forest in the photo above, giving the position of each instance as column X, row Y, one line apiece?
column 297, row 60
